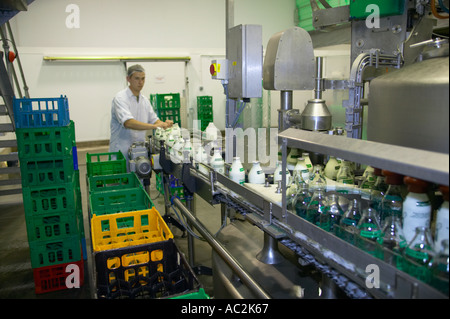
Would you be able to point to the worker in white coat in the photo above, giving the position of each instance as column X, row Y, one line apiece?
column 132, row 114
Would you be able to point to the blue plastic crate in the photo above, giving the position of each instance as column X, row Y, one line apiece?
column 41, row 112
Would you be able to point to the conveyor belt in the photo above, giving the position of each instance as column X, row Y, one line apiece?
column 350, row 288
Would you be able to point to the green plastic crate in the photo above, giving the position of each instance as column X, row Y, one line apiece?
column 305, row 12
column 54, row 226
column 169, row 114
column 204, row 111
column 51, row 226
column 387, row 8
column 122, row 200
column 165, row 101
column 51, row 199
column 204, row 101
column 102, row 183
column 46, row 141
column 46, row 170
column 200, row 294
column 53, row 252
column 105, row 163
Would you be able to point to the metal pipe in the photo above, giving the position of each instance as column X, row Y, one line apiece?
column 222, row 252
column 19, row 63
column 114, row 58
column 285, row 105
column 319, row 80
column 353, row 106
column 191, row 245
column 286, row 100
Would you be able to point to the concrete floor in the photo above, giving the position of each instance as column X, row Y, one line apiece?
column 16, row 274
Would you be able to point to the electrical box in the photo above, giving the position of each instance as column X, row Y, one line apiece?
column 361, row 9
column 245, row 57
column 219, row 69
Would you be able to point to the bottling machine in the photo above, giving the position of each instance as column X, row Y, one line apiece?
column 394, row 55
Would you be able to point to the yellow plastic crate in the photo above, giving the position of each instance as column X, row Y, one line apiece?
column 112, row 231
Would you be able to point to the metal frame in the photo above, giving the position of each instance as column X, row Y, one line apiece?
column 427, row 165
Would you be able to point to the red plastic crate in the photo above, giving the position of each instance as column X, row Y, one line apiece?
column 53, row 278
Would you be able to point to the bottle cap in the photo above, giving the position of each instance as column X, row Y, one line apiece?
column 392, row 178
column 444, row 190
column 415, row 185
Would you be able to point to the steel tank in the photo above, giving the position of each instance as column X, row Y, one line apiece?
column 410, row 107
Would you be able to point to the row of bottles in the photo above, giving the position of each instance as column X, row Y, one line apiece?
column 383, row 189
column 211, row 132
column 179, row 147
column 392, row 227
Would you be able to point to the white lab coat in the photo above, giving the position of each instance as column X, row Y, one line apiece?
column 126, row 106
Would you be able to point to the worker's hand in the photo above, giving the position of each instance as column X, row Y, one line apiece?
column 169, row 123
column 162, row 125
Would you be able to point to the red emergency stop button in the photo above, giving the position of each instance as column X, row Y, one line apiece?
column 213, row 69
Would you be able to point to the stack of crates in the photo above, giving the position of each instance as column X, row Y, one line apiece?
column 167, row 106
column 51, row 192
column 204, row 111
column 133, row 248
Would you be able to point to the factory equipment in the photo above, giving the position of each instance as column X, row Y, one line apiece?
column 416, row 98
column 139, row 161
column 283, row 71
column 316, row 116
column 286, row 255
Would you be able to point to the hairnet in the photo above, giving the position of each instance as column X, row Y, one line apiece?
column 135, row 68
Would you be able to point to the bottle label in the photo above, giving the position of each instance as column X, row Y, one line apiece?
column 423, row 204
column 415, row 214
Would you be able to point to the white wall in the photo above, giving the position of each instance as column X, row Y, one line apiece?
column 194, row 28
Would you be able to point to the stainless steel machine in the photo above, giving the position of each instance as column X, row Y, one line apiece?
column 267, row 251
